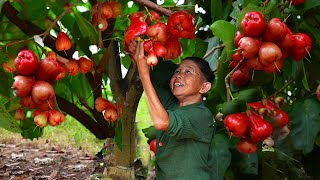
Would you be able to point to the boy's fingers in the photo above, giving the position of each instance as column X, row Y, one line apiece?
column 139, row 49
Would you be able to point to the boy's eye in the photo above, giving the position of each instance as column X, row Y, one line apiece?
column 187, row 71
column 177, row 71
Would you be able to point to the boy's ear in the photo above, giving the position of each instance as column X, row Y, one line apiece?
column 206, row 86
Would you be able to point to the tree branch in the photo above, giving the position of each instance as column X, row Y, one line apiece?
column 85, row 119
column 31, row 29
column 115, row 74
column 154, row 6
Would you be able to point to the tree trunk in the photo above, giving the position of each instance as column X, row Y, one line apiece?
column 128, row 92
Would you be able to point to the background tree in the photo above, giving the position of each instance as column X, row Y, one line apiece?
column 35, row 25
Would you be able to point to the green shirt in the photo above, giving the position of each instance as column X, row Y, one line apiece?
column 182, row 150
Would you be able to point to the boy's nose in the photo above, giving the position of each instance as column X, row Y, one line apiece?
column 178, row 76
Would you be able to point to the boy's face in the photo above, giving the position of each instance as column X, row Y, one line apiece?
column 187, row 80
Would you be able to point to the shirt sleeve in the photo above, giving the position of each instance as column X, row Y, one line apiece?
column 195, row 123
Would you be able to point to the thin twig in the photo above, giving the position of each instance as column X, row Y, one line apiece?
column 226, row 79
column 212, row 50
column 84, row 103
column 274, row 168
column 46, row 33
column 100, row 42
column 62, row 59
column 20, row 41
column 282, row 88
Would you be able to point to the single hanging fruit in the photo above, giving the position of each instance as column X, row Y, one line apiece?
column 236, row 124
column 259, row 128
column 26, row 63
column 63, row 42
column 23, row 85
column 253, row 24
column 181, row 25
column 246, row 146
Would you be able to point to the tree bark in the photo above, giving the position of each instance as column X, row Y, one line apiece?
column 129, row 96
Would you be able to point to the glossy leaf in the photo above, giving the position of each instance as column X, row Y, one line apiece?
column 32, row 133
column 220, row 156
column 304, row 123
column 5, row 89
column 225, row 31
column 35, row 9
column 216, row 10
column 7, row 121
column 86, row 28
column 247, row 163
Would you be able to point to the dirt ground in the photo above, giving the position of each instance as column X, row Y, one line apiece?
column 19, row 161
column 22, row 159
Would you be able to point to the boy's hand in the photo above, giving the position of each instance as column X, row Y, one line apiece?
column 136, row 52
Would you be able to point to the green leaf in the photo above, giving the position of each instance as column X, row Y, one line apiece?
column 5, row 86
column 213, row 58
column 118, row 135
column 255, row 2
column 82, row 42
column 225, row 31
column 305, row 80
column 220, row 156
column 200, row 48
column 247, row 163
column 79, row 85
column 32, row 132
column 219, row 86
column 36, row 9
column 195, row 47
column 272, row 4
column 7, row 121
column 86, row 28
column 67, row 20
column 216, row 10
column 62, row 89
column 188, row 47
column 304, row 121
column 308, row 4
column 169, row 2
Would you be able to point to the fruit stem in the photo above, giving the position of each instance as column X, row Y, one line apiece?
column 227, row 78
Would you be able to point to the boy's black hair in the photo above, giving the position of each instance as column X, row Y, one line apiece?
column 203, row 66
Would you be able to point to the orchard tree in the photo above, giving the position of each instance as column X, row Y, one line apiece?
column 59, row 58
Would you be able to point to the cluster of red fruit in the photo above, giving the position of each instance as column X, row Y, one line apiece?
column 256, row 124
column 111, row 111
column 72, row 67
column 160, row 39
column 264, row 46
column 109, row 10
column 33, row 84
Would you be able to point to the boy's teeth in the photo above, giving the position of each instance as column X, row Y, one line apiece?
column 178, row 84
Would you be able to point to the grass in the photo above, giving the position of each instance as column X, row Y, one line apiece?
column 72, row 134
